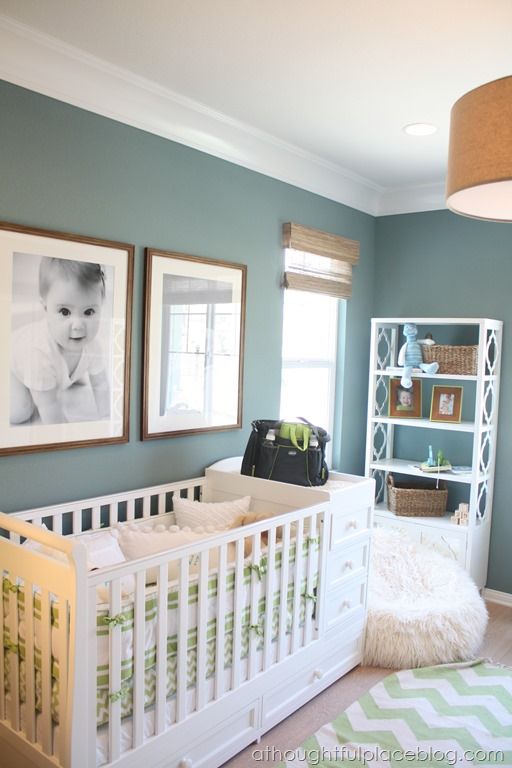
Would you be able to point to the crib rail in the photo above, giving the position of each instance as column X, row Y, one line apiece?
column 213, row 628
column 104, row 511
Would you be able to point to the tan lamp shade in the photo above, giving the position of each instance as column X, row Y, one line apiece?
column 479, row 180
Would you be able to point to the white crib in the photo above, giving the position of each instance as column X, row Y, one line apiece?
column 291, row 615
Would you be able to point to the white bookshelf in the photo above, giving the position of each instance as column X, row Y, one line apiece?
column 467, row 544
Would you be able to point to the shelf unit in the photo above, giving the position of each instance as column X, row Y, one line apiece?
column 467, row 544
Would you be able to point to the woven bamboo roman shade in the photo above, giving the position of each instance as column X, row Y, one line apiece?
column 318, row 262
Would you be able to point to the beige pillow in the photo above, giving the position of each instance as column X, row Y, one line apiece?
column 136, row 543
column 222, row 514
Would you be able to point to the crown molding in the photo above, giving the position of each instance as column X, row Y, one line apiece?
column 412, row 199
column 42, row 63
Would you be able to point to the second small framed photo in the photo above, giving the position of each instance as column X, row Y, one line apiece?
column 404, row 403
column 446, row 404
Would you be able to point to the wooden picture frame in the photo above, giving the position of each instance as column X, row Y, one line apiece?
column 446, row 404
column 65, row 315
column 193, row 344
column 404, row 403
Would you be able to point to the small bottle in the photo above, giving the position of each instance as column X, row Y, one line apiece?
column 271, row 435
column 313, row 441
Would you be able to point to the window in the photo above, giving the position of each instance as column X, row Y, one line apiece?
column 308, row 380
column 317, row 274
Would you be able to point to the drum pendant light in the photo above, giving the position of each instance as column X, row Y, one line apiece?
column 479, row 180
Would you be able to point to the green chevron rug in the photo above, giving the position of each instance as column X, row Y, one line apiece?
column 450, row 715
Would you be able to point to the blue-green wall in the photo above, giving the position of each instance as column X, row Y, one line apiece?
column 66, row 169
column 439, row 264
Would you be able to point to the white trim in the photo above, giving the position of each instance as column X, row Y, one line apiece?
column 44, row 64
column 412, row 199
column 494, row 596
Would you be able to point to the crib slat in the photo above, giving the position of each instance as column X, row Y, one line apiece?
column 14, row 658
column 283, row 603
column 92, row 680
column 57, row 524
column 115, row 678
column 130, row 509
column 310, row 573
column 96, row 518
column 77, row 520
column 269, row 597
column 238, row 613
column 46, row 673
column 146, row 506
column 181, row 692
column 30, row 688
column 254, row 624
column 297, row 585
column 63, row 653
column 190, row 493
column 202, row 620
column 161, row 650
column 2, row 652
column 220, row 635
column 138, row 659
column 161, row 503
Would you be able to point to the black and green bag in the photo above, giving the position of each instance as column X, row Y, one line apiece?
column 287, row 451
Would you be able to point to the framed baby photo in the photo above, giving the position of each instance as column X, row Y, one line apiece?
column 446, row 403
column 193, row 345
column 404, row 403
column 65, row 319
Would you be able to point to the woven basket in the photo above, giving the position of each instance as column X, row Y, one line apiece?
column 457, row 360
column 416, row 499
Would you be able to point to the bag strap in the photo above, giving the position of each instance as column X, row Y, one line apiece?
column 326, row 437
column 305, row 437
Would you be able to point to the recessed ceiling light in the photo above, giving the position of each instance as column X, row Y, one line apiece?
column 419, row 129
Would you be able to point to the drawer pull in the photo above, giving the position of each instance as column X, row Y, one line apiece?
column 185, row 762
column 318, row 674
column 352, row 524
column 345, row 604
column 349, row 564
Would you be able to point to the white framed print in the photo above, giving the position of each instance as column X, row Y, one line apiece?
column 65, row 320
column 193, row 344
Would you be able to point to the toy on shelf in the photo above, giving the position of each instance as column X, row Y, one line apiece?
column 461, row 515
column 411, row 356
column 439, row 464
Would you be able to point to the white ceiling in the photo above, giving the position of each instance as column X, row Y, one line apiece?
column 315, row 94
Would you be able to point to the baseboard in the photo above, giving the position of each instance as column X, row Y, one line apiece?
column 493, row 596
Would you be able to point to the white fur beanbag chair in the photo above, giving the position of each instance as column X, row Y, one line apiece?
column 423, row 608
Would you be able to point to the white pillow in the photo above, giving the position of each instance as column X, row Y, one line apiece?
column 136, row 543
column 224, row 514
column 102, row 549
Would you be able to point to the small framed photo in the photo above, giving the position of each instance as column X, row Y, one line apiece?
column 404, row 403
column 446, row 403
column 65, row 316
column 193, row 345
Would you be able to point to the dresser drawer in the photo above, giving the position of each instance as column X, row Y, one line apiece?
column 333, row 659
column 348, row 562
column 349, row 524
column 345, row 602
